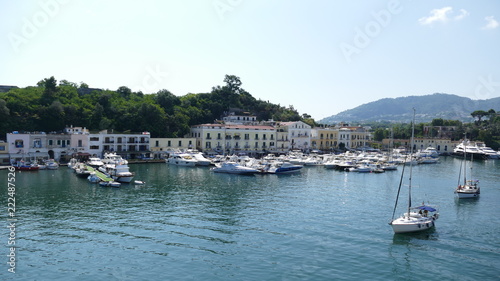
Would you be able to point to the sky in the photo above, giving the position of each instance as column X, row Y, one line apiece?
column 320, row 56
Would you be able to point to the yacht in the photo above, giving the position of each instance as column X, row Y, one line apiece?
column 181, row 159
column 488, row 151
column 233, row 168
column 470, row 150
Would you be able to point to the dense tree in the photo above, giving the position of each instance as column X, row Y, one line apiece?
column 479, row 114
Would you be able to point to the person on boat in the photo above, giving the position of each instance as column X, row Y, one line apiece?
column 425, row 213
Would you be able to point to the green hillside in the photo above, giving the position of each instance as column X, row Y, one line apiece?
column 50, row 106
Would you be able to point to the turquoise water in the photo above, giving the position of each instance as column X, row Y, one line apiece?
column 191, row 224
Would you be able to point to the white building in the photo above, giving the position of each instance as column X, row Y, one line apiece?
column 129, row 146
column 298, row 133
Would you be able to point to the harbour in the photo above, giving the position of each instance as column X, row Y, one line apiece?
column 188, row 223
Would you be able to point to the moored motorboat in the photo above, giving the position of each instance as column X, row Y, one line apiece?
column 278, row 167
column 120, row 173
column 110, row 184
column 181, row 159
column 233, row 168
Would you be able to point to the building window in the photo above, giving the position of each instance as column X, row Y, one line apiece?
column 37, row 143
column 180, row 144
column 157, row 143
column 208, row 145
column 208, row 136
column 51, row 142
column 169, row 143
column 94, row 147
column 80, row 143
column 94, row 139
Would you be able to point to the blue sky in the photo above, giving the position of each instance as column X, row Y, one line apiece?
column 321, row 57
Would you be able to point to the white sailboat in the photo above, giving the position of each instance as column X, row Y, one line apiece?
column 418, row 218
column 470, row 188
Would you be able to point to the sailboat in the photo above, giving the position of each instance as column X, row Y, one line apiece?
column 418, row 218
column 469, row 188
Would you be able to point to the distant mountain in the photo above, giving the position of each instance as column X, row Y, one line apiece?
column 445, row 106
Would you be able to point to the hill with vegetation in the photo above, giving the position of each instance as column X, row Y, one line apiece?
column 50, row 106
column 428, row 107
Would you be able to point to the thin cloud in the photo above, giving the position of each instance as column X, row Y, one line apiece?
column 491, row 23
column 462, row 15
column 436, row 15
column 442, row 15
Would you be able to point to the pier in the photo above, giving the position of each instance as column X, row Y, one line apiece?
column 99, row 174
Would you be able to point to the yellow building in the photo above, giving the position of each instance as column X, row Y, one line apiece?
column 324, row 139
column 161, row 147
column 234, row 138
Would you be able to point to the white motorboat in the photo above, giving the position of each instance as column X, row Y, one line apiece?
column 81, row 170
column 95, row 162
column 181, row 159
column 233, row 168
column 113, row 158
column 110, row 184
column 120, row 173
column 198, row 156
column 413, row 220
column 428, row 152
column 51, row 164
column 279, row 167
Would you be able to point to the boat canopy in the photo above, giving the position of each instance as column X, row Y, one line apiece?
column 426, row 208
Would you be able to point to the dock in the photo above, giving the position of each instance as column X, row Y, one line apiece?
column 99, row 174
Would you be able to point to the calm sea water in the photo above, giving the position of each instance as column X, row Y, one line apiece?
column 191, row 224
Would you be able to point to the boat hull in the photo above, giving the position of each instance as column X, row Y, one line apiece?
column 409, row 225
column 123, row 179
column 467, row 195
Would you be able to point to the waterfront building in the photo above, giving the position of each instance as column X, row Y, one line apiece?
column 440, row 132
column 324, row 139
column 79, row 141
column 298, row 133
column 38, row 145
column 161, row 147
column 353, row 137
column 27, row 146
column 234, row 138
column 244, row 119
column 4, row 153
column 127, row 145
column 442, row 145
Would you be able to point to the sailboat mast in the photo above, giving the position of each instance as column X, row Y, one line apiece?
column 465, row 163
column 411, row 159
